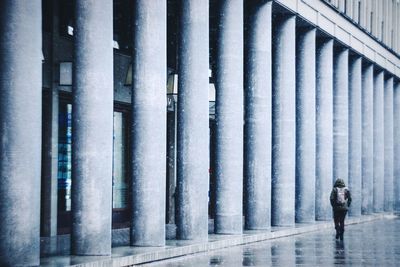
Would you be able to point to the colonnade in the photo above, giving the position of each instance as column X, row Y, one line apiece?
column 313, row 111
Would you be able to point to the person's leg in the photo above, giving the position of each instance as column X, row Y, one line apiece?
column 336, row 219
column 341, row 223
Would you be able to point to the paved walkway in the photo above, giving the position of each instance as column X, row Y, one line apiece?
column 374, row 243
column 372, row 240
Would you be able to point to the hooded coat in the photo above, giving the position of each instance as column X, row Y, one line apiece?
column 336, row 207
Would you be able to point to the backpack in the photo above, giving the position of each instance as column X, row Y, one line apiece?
column 341, row 197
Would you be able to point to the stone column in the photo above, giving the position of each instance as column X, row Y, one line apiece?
column 367, row 138
column 149, row 123
column 193, row 132
column 388, row 132
column 396, row 136
column 355, row 137
column 379, row 152
column 257, row 127
column 283, row 121
column 20, row 131
column 340, row 114
column 229, row 119
column 324, row 128
column 92, row 128
column 305, row 125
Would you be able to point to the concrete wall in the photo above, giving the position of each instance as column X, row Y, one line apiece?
column 329, row 20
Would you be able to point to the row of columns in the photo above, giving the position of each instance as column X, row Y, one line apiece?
column 312, row 114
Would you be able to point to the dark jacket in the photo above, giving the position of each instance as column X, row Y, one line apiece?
column 336, row 207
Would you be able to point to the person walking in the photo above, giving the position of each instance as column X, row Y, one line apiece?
column 340, row 201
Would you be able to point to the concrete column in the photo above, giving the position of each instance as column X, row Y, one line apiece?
column 396, row 145
column 283, row 121
column 305, row 125
column 379, row 149
column 324, row 128
column 20, row 131
column 92, row 128
column 149, row 123
column 193, row 136
column 229, row 119
column 355, row 137
column 257, row 127
column 367, row 138
column 388, row 132
column 340, row 114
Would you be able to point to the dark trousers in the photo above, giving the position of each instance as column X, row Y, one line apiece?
column 338, row 217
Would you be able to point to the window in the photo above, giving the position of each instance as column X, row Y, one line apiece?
column 64, row 156
column 120, row 177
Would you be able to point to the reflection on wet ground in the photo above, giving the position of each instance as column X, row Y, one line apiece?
column 370, row 244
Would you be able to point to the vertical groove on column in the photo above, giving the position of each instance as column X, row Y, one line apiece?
column 367, row 139
column 396, row 138
column 257, row 128
column 324, row 128
column 340, row 114
column 20, row 132
column 283, row 121
column 305, row 125
column 92, row 128
column 193, row 136
column 388, row 132
column 149, row 123
column 229, row 119
column 355, row 137
column 379, row 153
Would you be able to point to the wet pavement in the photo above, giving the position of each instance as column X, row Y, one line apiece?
column 374, row 243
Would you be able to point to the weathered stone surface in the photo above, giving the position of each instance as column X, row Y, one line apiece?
column 193, row 136
column 396, row 145
column 355, row 137
column 92, row 129
column 305, row 125
column 257, row 128
column 379, row 149
column 340, row 114
column 229, row 119
column 148, row 110
column 388, row 132
column 324, row 128
column 283, row 121
column 367, row 139
column 20, row 131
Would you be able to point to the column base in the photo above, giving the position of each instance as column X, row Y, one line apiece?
column 228, row 224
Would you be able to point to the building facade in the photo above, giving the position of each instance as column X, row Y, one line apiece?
column 133, row 122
